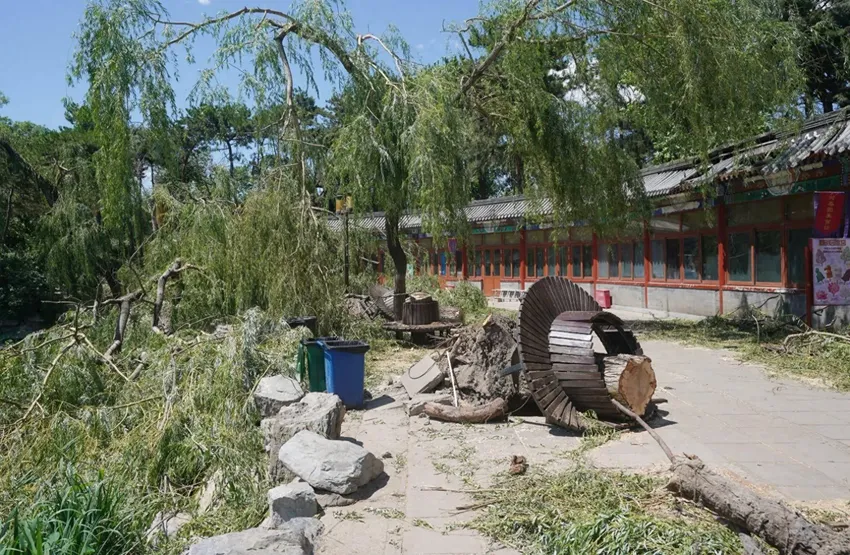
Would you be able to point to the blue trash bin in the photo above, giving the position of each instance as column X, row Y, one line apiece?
column 345, row 370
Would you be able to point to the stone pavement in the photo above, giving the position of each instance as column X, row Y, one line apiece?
column 782, row 437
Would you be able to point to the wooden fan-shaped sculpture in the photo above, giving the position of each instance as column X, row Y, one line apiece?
column 557, row 324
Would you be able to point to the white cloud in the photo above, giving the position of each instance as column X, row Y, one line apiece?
column 420, row 46
column 204, row 2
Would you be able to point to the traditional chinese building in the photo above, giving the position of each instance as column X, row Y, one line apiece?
column 749, row 246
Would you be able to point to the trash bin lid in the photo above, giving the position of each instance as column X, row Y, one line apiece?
column 314, row 340
column 344, row 346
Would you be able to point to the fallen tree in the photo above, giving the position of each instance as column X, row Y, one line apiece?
column 773, row 521
column 494, row 410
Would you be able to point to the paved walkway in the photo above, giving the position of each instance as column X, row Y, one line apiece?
column 782, row 437
column 779, row 434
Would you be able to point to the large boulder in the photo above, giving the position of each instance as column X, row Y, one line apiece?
column 294, row 500
column 275, row 392
column 296, row 537
column 318, row 412
column 337, row 466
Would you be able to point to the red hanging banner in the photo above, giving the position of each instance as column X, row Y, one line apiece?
column 829, row 214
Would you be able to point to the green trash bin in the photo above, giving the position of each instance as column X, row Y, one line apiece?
column 311, row 361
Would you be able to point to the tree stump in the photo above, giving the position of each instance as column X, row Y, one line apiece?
column 419, row 310
column 630, row 379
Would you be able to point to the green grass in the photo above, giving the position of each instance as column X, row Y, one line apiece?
column 584, row 511
column 821, row 358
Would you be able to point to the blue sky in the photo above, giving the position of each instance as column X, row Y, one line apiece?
column 37, row 43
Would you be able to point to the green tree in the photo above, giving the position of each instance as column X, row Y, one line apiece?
column 557, row 87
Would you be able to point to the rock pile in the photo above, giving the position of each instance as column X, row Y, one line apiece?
column 313, row 467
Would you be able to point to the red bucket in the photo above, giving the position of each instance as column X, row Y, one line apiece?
column 603, row 297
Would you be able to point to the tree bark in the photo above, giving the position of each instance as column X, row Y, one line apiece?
column 399, row 262
column 630, row 380
column 7, row 218
column 494, row 410
column 780, row 526
column 125, row 304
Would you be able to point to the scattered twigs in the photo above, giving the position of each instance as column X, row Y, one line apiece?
column 471, row 491
column 50, row 369
column 661, row 443
column 812, row 333
column 102, row 357
column 452, row 376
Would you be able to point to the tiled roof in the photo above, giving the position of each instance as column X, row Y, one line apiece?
column 821, row 137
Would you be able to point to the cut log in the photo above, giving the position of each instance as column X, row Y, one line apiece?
column 780, row 526
column 494, row 410
column 630, row 380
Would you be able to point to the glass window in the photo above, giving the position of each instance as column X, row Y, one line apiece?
column 709, row 257
column 452, row 268
column 512, row 238
column 656, row 248
column 497, row 262
column 673, row 259
column 535, row 236
column 551, row 270
column 576, row 261
column 493, row 239
column 487, row 263
column 458, row 263
column 614, row 261
column 798, row 240
column 690, row 257
column 769, row 256
column 540, row 262
column 562, row 259
column 529, row 262
column 602, row 260
column 477, row 262
column 626, row 254
column 664, row 224
column 639, row 260
column 739, row 257
column 754, row 212
column 587, row 261
column 698, row 219
column 516, row 264
column 799, row 207
column 435, row 264
column 581, row 234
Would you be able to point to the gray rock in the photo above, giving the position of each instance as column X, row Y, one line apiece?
column 318, row 412
column 422, row 377
column 327, row 499
column 337, row 466
column 293, row 500
column 416, row 406
column 296, row 537
column 166, row 525
column 275, row 392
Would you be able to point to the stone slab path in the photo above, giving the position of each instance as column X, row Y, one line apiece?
column 780, row 436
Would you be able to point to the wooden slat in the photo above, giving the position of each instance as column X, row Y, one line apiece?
column 588, row 344
column 574, row 336
column 562, row 367
column 573, row 383
column 572, row 359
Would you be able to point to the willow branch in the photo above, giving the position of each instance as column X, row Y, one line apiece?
column 53, row 364
column 362, row 38
column 495, row 54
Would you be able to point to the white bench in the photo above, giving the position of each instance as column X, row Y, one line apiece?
column 509, row 294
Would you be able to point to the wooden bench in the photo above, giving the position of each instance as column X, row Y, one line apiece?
column 509, row 294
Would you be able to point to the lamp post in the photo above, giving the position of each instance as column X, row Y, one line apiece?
column 344, row 205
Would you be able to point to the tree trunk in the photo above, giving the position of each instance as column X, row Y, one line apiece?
column 519, row 174
column 399, row 262
column 7, row 218
column 494, row 410
column 630, row 380
column 230, row 156
column 780, row 526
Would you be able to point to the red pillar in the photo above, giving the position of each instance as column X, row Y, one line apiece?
column 721, row 252
column 810, row 289
column 647, row 264
column 595, row 273
column 522, row 268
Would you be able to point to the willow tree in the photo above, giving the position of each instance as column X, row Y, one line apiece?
column 560, row 84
